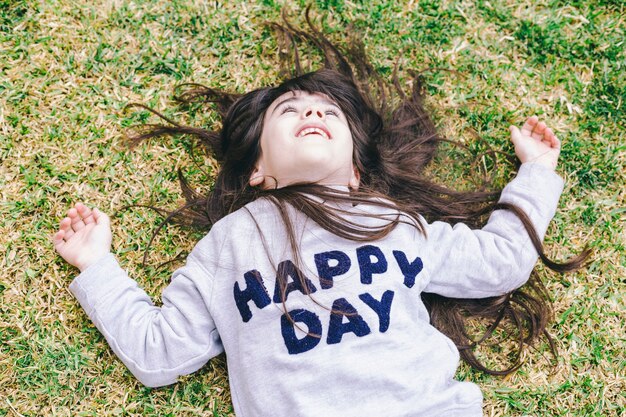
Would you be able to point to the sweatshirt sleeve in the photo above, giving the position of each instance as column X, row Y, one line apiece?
column 157, row 344
column 499, row 257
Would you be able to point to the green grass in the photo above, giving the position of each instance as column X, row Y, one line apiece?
column 68, row 69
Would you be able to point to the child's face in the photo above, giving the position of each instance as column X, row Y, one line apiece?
column 305, row 138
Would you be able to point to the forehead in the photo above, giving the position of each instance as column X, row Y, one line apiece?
column 301, row 95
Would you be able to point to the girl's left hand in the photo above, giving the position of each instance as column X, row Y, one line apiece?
column 536, row 143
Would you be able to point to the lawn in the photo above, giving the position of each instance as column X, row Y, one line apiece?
column 69, row 69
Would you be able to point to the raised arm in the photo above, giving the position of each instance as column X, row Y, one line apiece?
column 157, row 344
column 500, row 257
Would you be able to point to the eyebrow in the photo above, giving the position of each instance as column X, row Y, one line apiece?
column 318, row 100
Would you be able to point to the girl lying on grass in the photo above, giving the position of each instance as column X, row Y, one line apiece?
column 333, row 264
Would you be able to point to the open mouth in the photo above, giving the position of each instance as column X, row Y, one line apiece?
column 313, row 131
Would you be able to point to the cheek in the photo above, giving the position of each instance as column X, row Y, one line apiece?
column 351, row 145
column 271, row 147
column 358, row 152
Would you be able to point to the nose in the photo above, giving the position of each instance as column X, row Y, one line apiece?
column 313, row 111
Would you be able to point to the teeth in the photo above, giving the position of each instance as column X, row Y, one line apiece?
column 311, row 130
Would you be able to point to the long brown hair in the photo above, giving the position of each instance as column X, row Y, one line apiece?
column 392, row 146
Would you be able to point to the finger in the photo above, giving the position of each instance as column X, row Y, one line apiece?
column 68, row 234
column 529, row 125
column 77, row 221
column 66, row 227
column 555, row 140
column 550, row 139
column 516, row 135
column 85, row 212
column 539, row 130
column 101, row 218
column 72, row 213
column 58, row 239
column 65, row 224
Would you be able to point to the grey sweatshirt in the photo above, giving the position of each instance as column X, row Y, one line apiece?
column 375, row 355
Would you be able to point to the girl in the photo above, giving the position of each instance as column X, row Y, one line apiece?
column 320, row 248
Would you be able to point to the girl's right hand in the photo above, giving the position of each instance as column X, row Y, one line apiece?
column 84, row 236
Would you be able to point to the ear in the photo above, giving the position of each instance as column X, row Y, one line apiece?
column 258, row 176
column 355, row 179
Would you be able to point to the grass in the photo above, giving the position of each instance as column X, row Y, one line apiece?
column 68, row 69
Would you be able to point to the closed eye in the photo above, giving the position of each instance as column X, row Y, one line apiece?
column 287, row 109
column 332, row 112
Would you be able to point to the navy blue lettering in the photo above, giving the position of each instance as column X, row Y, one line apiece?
column 288, row 269
column 367, row 267
column 255, row 291
column 336, row 329
column 327, row 272
column 288, row 329
column 382, row 308
column 409, row 270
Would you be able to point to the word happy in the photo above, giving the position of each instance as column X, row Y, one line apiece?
column 344, row 317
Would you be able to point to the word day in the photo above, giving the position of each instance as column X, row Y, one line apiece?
column 344, row 317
